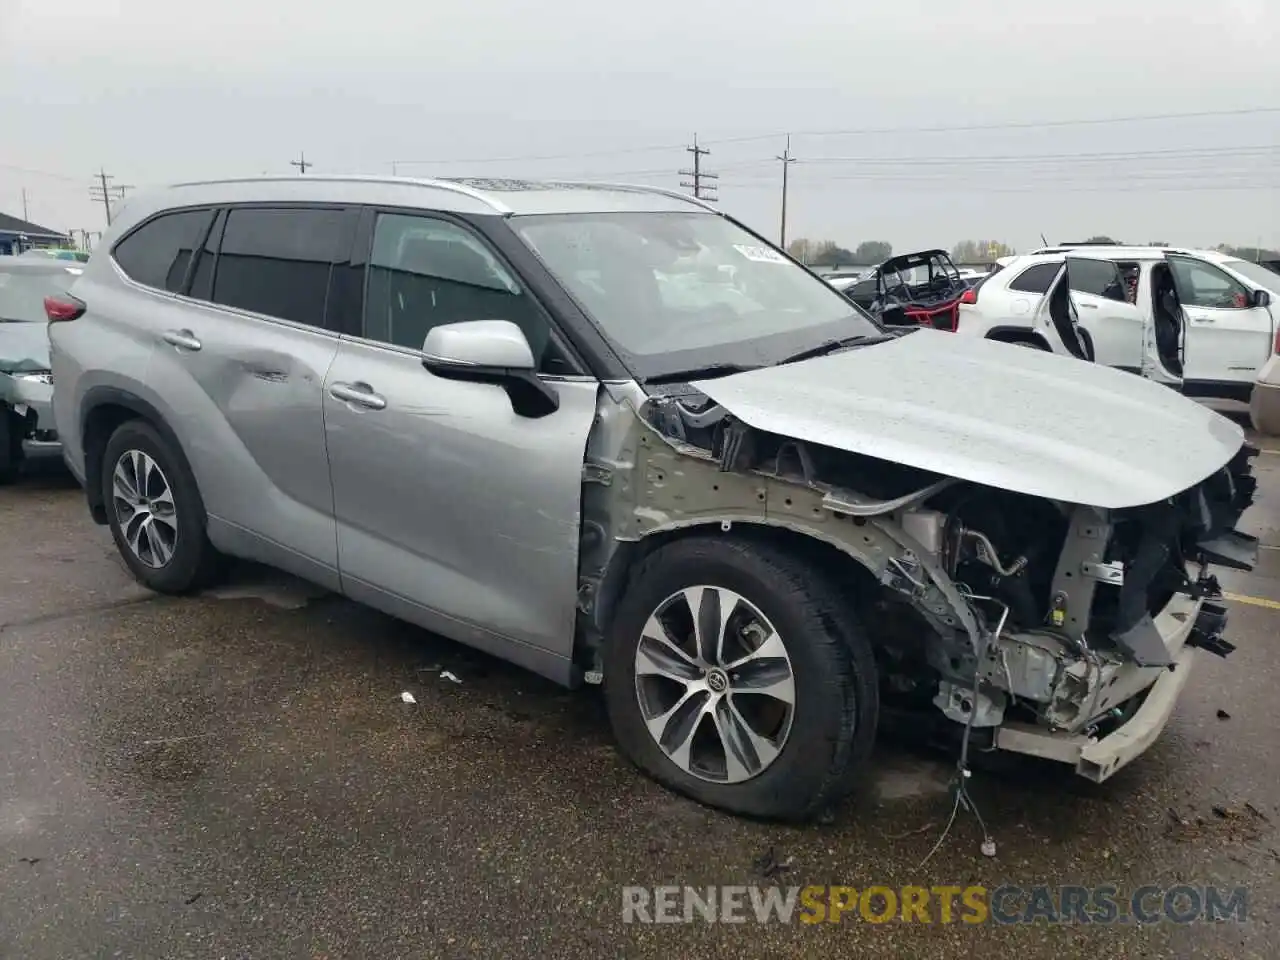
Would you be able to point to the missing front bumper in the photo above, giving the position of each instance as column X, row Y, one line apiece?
column 1185, row 624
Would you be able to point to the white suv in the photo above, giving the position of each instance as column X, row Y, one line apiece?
column 1201, row 320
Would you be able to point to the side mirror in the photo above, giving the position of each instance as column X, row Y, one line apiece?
column 1261, row 298
column 490, row 351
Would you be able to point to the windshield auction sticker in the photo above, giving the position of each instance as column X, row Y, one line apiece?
column 759, row 254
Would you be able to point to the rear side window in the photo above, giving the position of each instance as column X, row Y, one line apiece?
column 277, row 261
column 157, row 253
column 1098, row 277
column 1035, row 279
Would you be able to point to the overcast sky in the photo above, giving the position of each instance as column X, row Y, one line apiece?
column 160, row 90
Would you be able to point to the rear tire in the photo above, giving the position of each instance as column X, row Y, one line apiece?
column 790, row 762
column 155, row 511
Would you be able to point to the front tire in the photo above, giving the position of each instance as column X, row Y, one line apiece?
column 736, row 675
column 155, row 511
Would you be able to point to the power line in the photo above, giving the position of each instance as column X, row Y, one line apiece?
column 697, row 176
column 757, row 137
column 39, row 173
column 1176, row 153
column 1015, row 125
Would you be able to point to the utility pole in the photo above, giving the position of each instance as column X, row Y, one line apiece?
column 301, row 163
column 697, row 176
column 24, row 204
column 103, row 191
column 787, row 160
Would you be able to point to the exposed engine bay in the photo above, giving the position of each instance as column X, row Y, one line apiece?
column 1013, row 616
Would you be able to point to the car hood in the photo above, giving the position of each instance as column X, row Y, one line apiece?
column 991, row 413
column 24, row 347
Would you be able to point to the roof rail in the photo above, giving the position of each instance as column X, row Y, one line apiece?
column 641, row 188
column 471, row 192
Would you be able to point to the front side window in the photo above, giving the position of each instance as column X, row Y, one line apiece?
column 425, row 272
column 1201, row 284
column 277, row 261
column 157, row 253
column 680, row 291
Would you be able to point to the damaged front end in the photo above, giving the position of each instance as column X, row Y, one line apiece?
column 1033, row 625
column 26, row 384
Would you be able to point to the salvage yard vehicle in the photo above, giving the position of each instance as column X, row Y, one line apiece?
column 912, row 288
column 1198, row 320
column 26, row 385
column 525, row 415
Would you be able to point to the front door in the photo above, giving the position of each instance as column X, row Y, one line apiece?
column 1227, row 338
column 453, row 510
column 1114, row 324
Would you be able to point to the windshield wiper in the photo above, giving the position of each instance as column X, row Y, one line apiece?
column 827, row 346
column 701, row 373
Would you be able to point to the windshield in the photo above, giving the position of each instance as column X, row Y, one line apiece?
column 1259, row 275
column 22, row 293
column 682, row 291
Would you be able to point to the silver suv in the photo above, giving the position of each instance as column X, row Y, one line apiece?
column 613, row 435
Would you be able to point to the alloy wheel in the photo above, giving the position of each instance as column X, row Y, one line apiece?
column 143, row 502
column 715, row 685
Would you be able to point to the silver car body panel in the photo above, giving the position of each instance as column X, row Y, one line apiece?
column 1033, row 423
column 452, row 510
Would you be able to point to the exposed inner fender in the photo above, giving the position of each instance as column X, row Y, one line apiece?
column 641, row 485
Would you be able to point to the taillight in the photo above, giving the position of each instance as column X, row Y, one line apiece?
column 65, row 307
column 1275, row 344
column 970, row 296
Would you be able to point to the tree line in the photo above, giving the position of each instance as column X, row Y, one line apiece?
column 828, row 253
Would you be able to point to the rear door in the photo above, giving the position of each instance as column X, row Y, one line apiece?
column 453, row 509
column 1227, row 339
column 1056, row 318
column 242, row 364
column 1114, row 324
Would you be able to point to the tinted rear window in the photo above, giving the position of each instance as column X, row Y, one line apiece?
column 22, row 292
column 277, row 262
column 1036, row 279
column 158, row 252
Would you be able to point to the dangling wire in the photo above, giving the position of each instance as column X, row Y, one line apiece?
column 962, row 774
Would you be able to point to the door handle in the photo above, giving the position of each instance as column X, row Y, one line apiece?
column 1088, row 306
column 361, row 394
column 182, row 339
column 1201, row 318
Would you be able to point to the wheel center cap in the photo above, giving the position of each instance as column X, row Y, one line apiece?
column 717, row 681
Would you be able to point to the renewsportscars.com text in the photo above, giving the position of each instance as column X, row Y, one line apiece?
column 970, row 904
